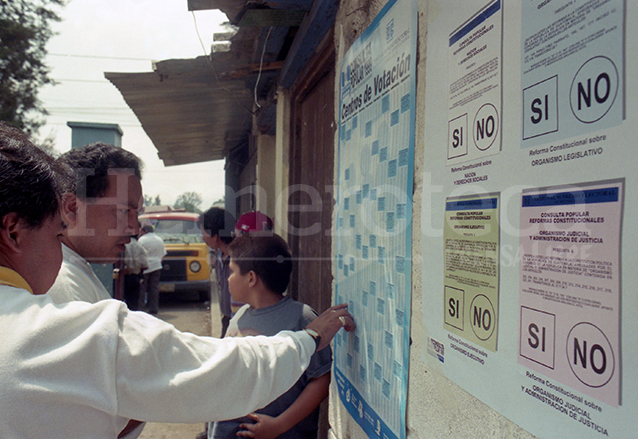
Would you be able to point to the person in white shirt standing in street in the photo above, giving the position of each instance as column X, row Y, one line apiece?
column 155, row 251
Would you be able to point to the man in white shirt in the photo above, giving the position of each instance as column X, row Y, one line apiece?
column 155, row 251
column 80, row 370
column 101, row 207
column 102, row 213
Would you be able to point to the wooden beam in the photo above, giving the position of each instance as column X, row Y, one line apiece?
column 252, row 69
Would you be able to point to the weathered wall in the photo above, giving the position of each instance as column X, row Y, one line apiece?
column 282, row 160
column 266, row 168
column 437, row 408
column 245, row 196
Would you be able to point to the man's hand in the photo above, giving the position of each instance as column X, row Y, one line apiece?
column 265, row 427
column 329, row 323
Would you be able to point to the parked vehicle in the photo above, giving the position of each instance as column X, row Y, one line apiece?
column 186, row 266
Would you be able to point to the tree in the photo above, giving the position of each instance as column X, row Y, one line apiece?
column 25, row 28
column 219, row 203
column 48, row 145
column 149, row 201
column 189, row 201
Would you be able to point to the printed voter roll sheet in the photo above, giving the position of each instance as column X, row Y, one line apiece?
column 475, row 86
column 570, row 286
column 471, row 258
column 372, row 230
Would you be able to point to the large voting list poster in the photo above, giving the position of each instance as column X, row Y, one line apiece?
column 373, row 219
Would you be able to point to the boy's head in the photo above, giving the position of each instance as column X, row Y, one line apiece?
column 267, row 256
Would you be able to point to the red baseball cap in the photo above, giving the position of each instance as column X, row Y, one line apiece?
column 254, row 222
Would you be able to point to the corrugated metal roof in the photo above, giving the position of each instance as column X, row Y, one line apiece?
column 232, row 8
column 190, row 115
column 194, row 114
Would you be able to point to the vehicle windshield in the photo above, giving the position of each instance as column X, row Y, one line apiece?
column 177, row 231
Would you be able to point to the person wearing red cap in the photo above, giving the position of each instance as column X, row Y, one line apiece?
column 253, row 222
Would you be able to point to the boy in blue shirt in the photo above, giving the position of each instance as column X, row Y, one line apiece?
column 260, row 272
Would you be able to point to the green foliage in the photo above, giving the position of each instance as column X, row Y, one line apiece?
column 48, row 145
column 189, row 201
column 219, row 203
column 25, row 29
column 149, row 201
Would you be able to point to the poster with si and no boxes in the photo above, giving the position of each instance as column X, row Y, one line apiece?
column 572, row 68
column 570, row 286
column 475, row 84
column 471, row 257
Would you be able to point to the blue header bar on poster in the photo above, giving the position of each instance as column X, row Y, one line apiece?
column 590, row 196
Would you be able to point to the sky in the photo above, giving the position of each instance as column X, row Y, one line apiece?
column 97, row 36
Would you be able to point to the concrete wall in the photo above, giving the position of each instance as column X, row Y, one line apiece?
column 282, row 163
column 246, row 196
column 436, row 407
column 266, row 174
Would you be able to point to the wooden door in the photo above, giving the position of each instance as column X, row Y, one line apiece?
column 311, row 171
column 312, row 164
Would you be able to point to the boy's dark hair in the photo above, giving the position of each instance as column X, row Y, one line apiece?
column 31, row 182
column 268, row 256
column 217, row 221
column 91, row 165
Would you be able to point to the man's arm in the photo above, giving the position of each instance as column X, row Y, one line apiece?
column 156, row 363
column 267, row 427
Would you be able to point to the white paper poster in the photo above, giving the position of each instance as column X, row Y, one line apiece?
column 570, row 286
column 372, row 233
column 572, row 68
column 471, row 269
column 474, row 80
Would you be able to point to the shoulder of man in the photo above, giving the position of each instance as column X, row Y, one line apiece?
column 75, row 284
column 155, row 237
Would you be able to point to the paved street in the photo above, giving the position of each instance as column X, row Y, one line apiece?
column 191, row 316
